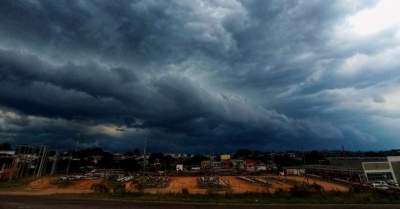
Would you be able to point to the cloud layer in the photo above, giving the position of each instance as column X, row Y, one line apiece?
column 198, row 75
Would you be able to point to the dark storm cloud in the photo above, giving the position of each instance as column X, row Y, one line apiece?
column 190, row 75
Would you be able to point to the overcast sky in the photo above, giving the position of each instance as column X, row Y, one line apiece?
column 201, row 75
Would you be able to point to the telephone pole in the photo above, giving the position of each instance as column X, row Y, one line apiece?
column 42, row 161
column 54, row 166
column 144, row 156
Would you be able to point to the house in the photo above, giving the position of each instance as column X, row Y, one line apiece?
column 216, row 164
column 238, row 164
column 227, row 164
column 206, row 164
column 261, row 167
column 250, row 165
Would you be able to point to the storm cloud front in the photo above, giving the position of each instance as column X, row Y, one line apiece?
column 200, row 75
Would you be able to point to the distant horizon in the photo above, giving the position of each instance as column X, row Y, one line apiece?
column 149, row 150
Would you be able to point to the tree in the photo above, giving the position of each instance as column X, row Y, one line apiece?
column 243, row 153
column 130, row 164
column 136, row 152
column 107, row 161
column 89, row 152
column 195, row 160
column 5, row 146
column 155, row 156
column 284, row 161
column 313, row 157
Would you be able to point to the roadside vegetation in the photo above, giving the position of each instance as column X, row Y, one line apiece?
column 298, row 194
column 14, row 184
column 257, row 198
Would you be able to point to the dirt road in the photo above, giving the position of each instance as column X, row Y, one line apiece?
column 51, row 202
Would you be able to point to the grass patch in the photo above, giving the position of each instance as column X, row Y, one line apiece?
column 257, row 198
column 15, row 184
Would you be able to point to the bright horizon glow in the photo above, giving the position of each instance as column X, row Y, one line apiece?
column 384, row 15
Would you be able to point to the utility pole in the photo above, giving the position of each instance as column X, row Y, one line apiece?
column 69, row 163
column 343, row 152
column 28, row 162
column 19, row 170
column 144, row 156
column 71, row 155
column 42, row 162
column 38, row 162
column 24, row 165
column 45, row 162
column 54, row 166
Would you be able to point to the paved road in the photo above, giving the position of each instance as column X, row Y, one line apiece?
column 49, row 202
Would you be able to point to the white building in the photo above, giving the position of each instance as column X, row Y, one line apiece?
column 179, row 167
column 388, row 171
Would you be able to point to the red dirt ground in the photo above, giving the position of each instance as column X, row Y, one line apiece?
column 47, row 185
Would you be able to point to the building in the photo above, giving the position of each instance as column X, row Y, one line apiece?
column 8, row 162
column 206, row 164
column 7, row 153
column 227, row 164
column 225, row 157
column 250, row 165
column 291, row 155
column 237, row 164
column 261, row 167
column 350, row 174
column 352, row 162
column 388, row 171
column 294, row 171
column 345, row 168
column 179, row 167
column 216, row 164
column 395, row 165
column 195, row 168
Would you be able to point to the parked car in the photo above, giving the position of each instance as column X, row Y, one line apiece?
column 381, row 185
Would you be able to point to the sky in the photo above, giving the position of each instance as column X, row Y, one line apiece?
column 200, row 75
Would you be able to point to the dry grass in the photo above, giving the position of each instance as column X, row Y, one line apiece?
column 177, row 184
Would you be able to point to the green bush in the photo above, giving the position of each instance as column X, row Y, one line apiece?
column 119, row 188
column 100, row 188
column 301, row 190
column 185, row 191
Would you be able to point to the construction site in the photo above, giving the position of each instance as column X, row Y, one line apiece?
column 93, row 171
column 174, row 184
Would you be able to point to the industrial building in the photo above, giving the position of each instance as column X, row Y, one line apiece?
column 349, row 169
column 387, row 171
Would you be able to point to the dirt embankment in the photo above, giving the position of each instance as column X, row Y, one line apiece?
column 50, row 185
column 241, row 186
column 326, row 185
column 275, row 183
column 176, row 185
